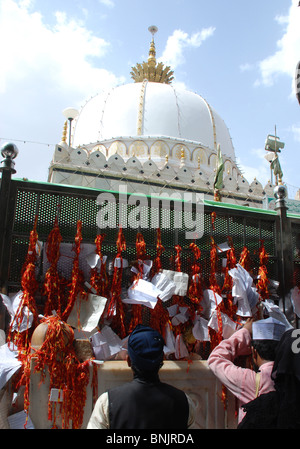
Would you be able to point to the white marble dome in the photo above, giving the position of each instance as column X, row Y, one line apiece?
column 149, row 109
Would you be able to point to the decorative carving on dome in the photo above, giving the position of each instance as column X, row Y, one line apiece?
column 138, row 148
column 212, row 160
column 117, row 147
column 157, row 74
column 149, row 167
column 97, row 158
column 199, row 155
column 230, row 183
column 61, row 155
column 159, row 149
column 78, row 156
column 100, row 148
column 133, row 164
column 256, row 187
column 185, row 175
column 168, row 173
column 227, row 168
column 201, row 179
column 243, row 185
column 269, row 189
column 180, row 151
column 115, row 162
column 150, row 70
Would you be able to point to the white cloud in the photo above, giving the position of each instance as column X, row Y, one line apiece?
column 173, row 54
column 285, row 59
column 59, row 56
column 261, row 171
column 108, row 3
column 295, row 129
column 246, row 67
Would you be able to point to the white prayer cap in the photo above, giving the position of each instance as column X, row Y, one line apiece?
column 268, row 329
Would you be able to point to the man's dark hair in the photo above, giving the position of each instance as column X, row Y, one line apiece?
column 266, row 348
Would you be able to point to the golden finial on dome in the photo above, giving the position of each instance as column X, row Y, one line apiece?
column 152, row 52
column 182, row 157
column 150, row 70
column 65, row 131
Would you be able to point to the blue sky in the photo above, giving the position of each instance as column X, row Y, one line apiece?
column 239, row 55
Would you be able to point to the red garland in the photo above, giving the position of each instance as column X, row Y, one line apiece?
column 245, row 260
column 230, row 308
column 157, row 265
column 178, row 299
column 77, row 275
column 141, row 255
column 27, row 302
column 213, row 219
column 178, row 258
column 263, row 281
column 57, row 356
column 115, row 307
column 195, row 292
column 52, row 283
column 215, row 337
column 159, row 315
column 99, row 281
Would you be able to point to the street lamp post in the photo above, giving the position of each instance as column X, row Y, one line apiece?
column 9, row 152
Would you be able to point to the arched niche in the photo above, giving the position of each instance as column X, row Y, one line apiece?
column 228, row 168
column 159, row 149
column 138, row 148
column 117, row 147
column 212, row 161
column 199, row 155
column 101, row 148
column 180, row 150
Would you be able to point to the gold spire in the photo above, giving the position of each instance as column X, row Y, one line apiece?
column 150, row 70
column 64, row 135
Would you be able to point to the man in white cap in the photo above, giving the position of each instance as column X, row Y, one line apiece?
column 259, row 338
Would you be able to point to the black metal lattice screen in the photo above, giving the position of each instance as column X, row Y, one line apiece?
column 71, row 204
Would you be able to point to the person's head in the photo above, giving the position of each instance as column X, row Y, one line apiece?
column 145, row 350
column 266, row 334
column 287, row 360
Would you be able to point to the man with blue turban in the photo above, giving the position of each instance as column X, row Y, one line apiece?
column 145, row 402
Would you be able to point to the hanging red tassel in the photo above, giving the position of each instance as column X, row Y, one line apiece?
column 178, row 250
column 230, row 308
column 157, row 265
column 224, row 397
column 115, row 307
column 52, row 283
column 77, row 275
column 245, row 260
column 57, row 357
column 213, row 219
column 99, row 280
column 27, row 303
column 263, row 281
column 159, row 315
column 214, row 286
column 141, row 255
column 195, row 292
